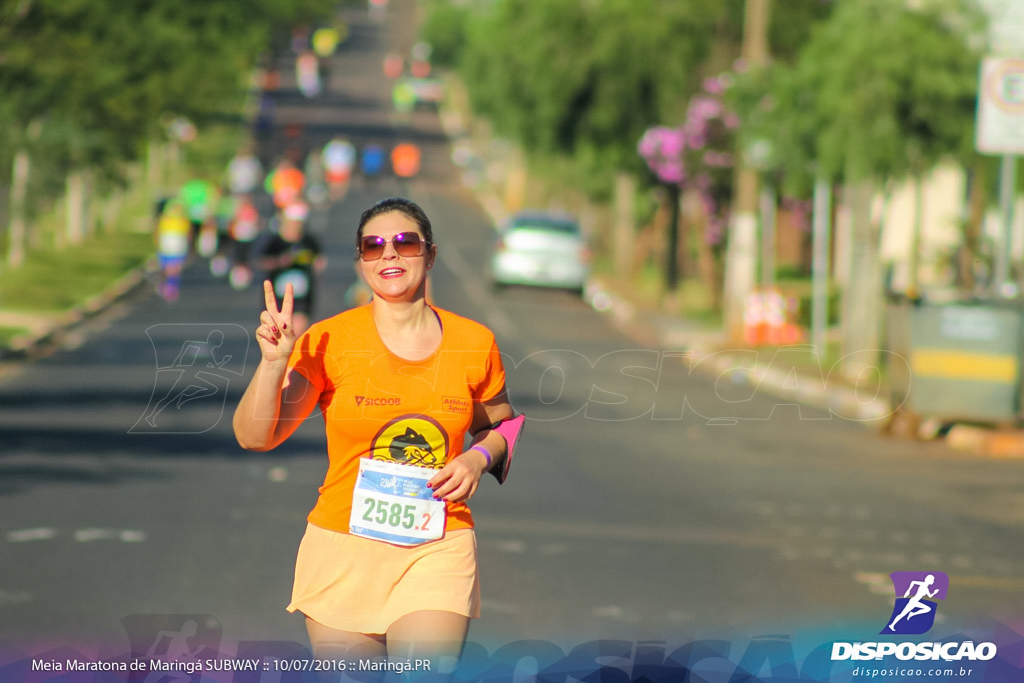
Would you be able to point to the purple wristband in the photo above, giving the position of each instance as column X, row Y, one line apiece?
column 483, row 450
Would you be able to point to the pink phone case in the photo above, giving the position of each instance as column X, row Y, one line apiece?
column 510, row 429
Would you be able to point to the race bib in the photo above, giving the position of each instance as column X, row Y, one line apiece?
column 294, row 277
column 392, row 503
column 173, row 244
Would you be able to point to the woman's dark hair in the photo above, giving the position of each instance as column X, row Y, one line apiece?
column 405, row 206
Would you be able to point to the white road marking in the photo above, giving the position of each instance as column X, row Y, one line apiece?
column 94, row 534
column 14, row 597
column 37, row 534
column 511, row 546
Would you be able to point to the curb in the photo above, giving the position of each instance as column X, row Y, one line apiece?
column 986, row 442
column 23, row 346
column 707, row 354
column 843, row 402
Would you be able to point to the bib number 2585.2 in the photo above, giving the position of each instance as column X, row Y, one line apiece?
column 392, row 503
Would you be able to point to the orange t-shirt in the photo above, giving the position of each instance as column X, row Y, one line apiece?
column 377, row 405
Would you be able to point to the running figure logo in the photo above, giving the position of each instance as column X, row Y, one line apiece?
column 172, row 646
column 197, row 375
column 914, row 612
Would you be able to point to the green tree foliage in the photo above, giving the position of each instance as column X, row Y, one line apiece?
column 584, row 79
column 444, row 28
column 103, row 74
column 883, row 90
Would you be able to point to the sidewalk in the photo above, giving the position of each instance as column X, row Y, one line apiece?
column 768, row 370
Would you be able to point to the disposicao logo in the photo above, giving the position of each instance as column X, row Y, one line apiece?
column 914, row 612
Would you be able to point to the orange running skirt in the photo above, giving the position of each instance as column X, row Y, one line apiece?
column 356, row 584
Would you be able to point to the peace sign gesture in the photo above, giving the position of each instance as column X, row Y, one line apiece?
column 277, row 333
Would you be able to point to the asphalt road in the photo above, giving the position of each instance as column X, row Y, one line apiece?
column 649, row 503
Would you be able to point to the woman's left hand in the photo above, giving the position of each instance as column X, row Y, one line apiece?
column 457, row 481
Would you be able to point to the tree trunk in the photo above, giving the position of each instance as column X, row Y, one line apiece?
column 742, row 248
column 672, row 249
column 111, row 210
column 18, row 235
column 863, row 296
column 74, row 209
column 972, row 230
column 707, row 262
column 741, row 254
column 624, row 230
column 18, row 229
column 914, row 262
column 822, row 233
column 769, row 246
column 154, row 166
column 90, row 207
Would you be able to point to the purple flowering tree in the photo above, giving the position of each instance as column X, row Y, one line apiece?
column 696, row 156
column 662, row 148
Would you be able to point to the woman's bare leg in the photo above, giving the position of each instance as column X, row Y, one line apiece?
column 344, row 646
column 430, row 640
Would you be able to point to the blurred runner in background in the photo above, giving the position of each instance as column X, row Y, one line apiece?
column 172, row 245
column 294, row 257
column 199, row 197
column 224, row 213
column 405, row 160
column 316, row 180
column 403, row 98
column 285, row 183
column 394, row 65
column 325, row 41
column 307, row 74
column 300, row 39
column 265, row 116
column 372, row 161
column 245, row 228
column 244, row 172
column 338, row 158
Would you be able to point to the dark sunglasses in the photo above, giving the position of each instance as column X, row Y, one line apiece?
column 371, row 247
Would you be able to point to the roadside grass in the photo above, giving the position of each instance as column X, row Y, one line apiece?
column 692, row 299
column 54, row 280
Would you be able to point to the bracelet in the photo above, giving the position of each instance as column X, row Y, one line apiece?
column 483, row 450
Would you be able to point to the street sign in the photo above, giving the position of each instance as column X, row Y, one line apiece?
column 1000, row 120
column 1005, row 27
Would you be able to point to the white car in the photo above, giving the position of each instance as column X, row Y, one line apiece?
column 541, row 249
